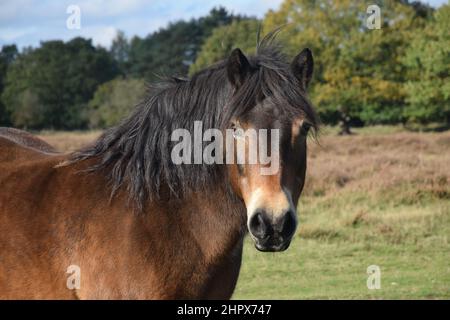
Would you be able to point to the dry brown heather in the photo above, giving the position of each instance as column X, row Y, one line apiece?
column 395, row 185
column 69, row 141
column 419, row 163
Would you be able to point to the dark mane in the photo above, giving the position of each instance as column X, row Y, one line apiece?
column 136, row 153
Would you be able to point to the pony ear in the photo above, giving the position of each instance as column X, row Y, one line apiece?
column 237, row 67
column 302, row 66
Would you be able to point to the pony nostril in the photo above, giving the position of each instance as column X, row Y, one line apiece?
column 289, row 224
column 258, row 227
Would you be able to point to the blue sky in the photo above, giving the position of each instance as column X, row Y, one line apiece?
column 27, row 22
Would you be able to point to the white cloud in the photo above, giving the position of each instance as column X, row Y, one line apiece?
column 103, row 8
column 11, row 34
column 10, row 9
column 252, row 7
column 100, row 35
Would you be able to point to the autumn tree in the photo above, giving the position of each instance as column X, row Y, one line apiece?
column 359, row 74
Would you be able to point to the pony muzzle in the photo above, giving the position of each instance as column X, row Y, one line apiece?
column 270, row 232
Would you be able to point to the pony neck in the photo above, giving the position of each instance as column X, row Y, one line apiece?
column 211, row 222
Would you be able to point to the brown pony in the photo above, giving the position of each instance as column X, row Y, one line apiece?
column 134, row 224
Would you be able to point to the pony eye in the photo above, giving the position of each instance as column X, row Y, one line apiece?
column 305, row 128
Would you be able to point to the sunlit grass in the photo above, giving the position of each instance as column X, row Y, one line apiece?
column 313, row 269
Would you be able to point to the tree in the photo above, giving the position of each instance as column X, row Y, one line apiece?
column 62, row 77
column 113, row 101
column 239, row 34
column 428, row 63
column 171, row 50
column 28, row 110
column 120, row 51
column 358, row 72
column 8, row 54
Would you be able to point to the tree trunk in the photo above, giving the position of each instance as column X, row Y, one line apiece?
column 344, row 124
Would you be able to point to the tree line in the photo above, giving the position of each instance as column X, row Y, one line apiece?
column 395, row 74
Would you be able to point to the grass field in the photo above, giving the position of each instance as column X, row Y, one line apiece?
column 380, row 197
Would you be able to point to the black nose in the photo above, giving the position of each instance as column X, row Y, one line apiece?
column 272, row 229
column 260, row 226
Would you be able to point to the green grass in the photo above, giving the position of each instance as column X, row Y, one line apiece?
column 314, row 269
column 340, row 237
column 389, row 129
column 378, row 129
